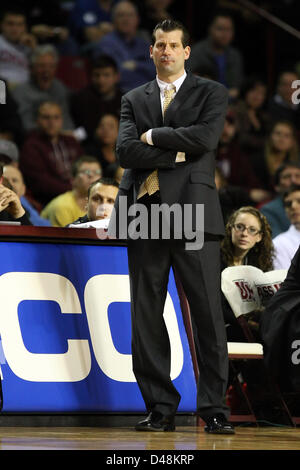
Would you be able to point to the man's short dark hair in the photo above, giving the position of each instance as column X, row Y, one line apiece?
column 221, row 13
column 292, row 189
column 105, row 180
column 104, row 61
column 84, row 159
column 172, row 25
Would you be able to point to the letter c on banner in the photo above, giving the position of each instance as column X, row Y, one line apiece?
column 72, row 366
column 100, row 292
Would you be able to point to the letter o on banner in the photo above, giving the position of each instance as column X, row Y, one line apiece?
column 72, row 366
column 100, row 292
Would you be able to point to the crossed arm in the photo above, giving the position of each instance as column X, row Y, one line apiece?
column 194, row 140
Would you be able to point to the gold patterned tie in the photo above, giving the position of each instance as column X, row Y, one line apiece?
column 151, row 184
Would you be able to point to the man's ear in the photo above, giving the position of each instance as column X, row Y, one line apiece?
column 151, row 51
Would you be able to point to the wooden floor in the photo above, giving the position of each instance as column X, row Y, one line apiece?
column 185, row 438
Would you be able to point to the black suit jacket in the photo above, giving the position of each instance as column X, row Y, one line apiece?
column 192, row 124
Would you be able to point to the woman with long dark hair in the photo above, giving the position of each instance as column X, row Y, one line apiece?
column 247, row 241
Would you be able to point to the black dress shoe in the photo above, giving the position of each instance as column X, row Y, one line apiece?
column 156, row 422
column 218, row 424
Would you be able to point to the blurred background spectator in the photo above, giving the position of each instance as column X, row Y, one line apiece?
column 48, row 154
column 281, row 146
column 253, row 121
column 235, row 166
column 71, row 205
column 100, row 97
column 103, row 145
column 286, row 175
column 216, row 53
column 43, row 86
column 91, row 19
column 127, row 47
column 281, row 106
column 16, row 45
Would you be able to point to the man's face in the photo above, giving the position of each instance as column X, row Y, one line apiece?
column 15, row 179
column 107, row 130
column 101, row 201
column 168, row 53
column 292, row 208
column 222, row 31
column 13, row 27
column 289, row 176
column 284, row 88
column 43, row 71
column 105, row 80
column 282, row 137
column 50, row 120
column 88, row 172
column 126, row 19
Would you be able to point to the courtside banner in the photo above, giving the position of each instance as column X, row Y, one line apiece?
column 66, row 331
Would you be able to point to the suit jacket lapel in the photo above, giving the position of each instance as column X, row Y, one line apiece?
column 153, row 103
column 180, row 98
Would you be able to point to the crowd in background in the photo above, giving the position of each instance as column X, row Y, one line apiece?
column 68, row 63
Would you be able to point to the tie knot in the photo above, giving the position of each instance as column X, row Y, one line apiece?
column 169, row 92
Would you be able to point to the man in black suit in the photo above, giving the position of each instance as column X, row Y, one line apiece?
column 166, row 145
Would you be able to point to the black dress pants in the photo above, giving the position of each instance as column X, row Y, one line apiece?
column 199, row 271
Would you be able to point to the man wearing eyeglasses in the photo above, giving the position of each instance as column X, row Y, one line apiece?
column 71, row 205
column 287, row 243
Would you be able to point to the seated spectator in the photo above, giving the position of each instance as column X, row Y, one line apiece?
column 11, row 209
column 216, row 53
column 43, row 86
column 127, row 47
column 281, row 146
column 71, row 205
column 102, row 96
column 90, row 20
column 11, row 127
column 287, row 243
column 247, row 241
column 16, row 181
column 286, row 175
column 100, row 202
column 253, row 121
column 9, row 153
column 235, row 167
column 281, row 106
column 16, row 45
column 48, row 154
column 231, row 197
column 103, row 145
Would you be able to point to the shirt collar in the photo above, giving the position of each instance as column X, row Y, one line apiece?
column 177, row 83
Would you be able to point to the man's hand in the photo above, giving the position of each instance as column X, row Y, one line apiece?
column 11, row 202
column 143, row 138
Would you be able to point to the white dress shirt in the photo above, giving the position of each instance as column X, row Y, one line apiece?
column 180, row 157
column 286, row 244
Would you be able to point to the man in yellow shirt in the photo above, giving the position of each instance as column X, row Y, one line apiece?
column 69, row 206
